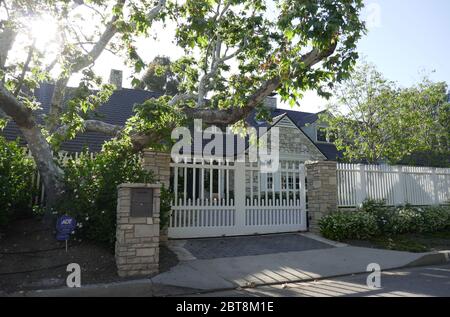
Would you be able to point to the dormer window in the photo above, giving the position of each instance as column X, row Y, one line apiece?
column 322, row 134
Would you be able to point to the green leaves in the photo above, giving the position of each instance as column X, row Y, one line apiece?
column 374, row 120
column 16, row 172
column 92, row 189
column 268, row 45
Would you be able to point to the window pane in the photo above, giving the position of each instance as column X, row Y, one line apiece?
column 321, row 135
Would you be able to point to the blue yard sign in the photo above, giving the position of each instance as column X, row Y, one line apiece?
column 65, row 225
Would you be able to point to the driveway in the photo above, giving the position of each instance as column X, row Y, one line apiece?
column 214, row 248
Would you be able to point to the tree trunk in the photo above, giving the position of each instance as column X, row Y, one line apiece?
column 52, row 175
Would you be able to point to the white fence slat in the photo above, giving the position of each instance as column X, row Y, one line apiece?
column 396, row 184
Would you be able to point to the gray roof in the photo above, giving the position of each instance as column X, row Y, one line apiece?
column 120, row 107
column 116, row 111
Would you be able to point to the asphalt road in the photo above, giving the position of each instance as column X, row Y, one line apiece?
column 410, row 282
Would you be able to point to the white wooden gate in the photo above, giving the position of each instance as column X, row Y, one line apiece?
column 222, row 198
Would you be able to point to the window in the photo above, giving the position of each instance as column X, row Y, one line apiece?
column 321, row 135
column 269, row 182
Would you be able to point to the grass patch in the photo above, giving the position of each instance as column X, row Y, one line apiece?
column 399, row 243
column 423, row 242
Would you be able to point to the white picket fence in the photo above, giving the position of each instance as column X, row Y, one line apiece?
column 396, row 185
column 216, row 197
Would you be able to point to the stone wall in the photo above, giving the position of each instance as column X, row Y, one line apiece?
column 159, row 164
column 322, row 191
column 137, row 238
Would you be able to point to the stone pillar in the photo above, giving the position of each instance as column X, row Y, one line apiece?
column 137, row 237
column 159, row 164
column 322, row 191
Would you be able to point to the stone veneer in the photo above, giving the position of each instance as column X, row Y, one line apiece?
column 159, row 164
column 322, row 191
column 137, row 238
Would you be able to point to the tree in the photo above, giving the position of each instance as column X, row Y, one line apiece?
column 159, row 77
column 430, row 99
column 237, row 53
column 373, row 120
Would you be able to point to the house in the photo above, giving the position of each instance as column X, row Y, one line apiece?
column 302, row 131
column 217, row 197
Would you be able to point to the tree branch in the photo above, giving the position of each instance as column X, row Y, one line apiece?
column 94, row 126
column 181, row 98
column 88, row 59
column 15, row 109
column 7, row 38
column 232, row 115
column 24, row 70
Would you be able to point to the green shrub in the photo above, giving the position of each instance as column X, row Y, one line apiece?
column 92, row 190
column 374, row 218
column 379, row 209
column 165, row 207
column 341, row 226
column 16, row 172
column 402, row 220
column 435, row 218
column 409, row 219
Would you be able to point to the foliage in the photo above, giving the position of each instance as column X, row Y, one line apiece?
column 388, row 221
column 374, row 120
column 156, row 118
column 16, row 172
column 236, row 53
column 92, row 189
column 159, row 77
column 165, row 207
column 262, row 46
column 348, row 225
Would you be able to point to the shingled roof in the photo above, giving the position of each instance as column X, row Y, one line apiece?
column 116, row 111
column 120, row 107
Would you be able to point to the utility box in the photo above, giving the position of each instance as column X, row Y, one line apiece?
column 141, row 202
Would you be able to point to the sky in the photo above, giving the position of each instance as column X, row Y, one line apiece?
column 406, row 38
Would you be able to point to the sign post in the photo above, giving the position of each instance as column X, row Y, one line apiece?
column 65, row 225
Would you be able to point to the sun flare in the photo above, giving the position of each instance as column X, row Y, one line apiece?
column 43, row 31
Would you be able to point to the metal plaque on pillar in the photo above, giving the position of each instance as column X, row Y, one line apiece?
column 141, row 202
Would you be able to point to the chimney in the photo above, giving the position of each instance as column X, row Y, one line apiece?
column 271, row 102
column 115, row 78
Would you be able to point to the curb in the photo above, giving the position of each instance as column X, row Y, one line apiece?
column 432, row 258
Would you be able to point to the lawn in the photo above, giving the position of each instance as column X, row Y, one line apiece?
column 408, row 242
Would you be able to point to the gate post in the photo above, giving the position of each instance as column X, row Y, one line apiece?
column 137, row 233
column 159, row 164
column 322, row 191
column 239, row 193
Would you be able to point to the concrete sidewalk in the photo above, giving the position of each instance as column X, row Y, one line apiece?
column 195, row 276
column 244, row 271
